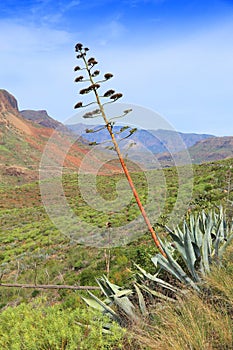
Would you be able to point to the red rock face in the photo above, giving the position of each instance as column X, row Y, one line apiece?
column 7, row 102
column 30, row 138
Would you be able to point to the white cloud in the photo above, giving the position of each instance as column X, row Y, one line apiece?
column 18, row 38
column 38, row 65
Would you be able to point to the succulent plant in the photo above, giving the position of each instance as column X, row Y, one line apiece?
column 200, row 242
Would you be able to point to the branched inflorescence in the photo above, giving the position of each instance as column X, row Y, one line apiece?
column 110, row 96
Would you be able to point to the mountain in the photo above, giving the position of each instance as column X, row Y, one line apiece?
column 22, row 144
column 212, row 149
column 209, row 150
column 24, row 135
column 156, row 141
column 42, row 118
column 176, row 141
column 167, row 145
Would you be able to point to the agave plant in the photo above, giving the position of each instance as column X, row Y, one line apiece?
column 124, row 308
column 127, row 305
column 200, row 243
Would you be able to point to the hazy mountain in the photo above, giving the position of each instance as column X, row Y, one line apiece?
column 172, row 139
column 208, row 150
column 156, row 141
column 212, row 149
column 24, row 135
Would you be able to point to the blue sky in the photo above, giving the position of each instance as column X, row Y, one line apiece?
column 173, row 57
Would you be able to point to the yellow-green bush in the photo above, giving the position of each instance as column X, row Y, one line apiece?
column 35, row 326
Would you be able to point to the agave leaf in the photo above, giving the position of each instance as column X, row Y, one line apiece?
column 165, row 265
column 202, row 219
column 162, row 283
column 179, row 232
column 190, row 256
column 146, row 274
column 126, row 306
column 173, row 267
column 189, row 232
column 198, row 232
column 179, row 243
column 105, row 309
column 196, row 250
column 219, row 236
column 94, row 304
column 225, row 245
column 107, row 287
column 206, row 251
column 141, row 300
column 155, row 293
column 123, row 293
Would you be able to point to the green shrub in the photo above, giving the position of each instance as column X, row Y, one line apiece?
column 37, row 327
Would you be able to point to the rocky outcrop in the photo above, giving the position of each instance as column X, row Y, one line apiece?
column 7, row 102
column 42, row 118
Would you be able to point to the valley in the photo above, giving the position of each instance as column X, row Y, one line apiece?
column 33, row 250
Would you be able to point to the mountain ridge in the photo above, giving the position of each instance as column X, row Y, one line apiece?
column 156, row 141
column 24, row 134
column 22, row 143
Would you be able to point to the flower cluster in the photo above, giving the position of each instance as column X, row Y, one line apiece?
column 89, row 63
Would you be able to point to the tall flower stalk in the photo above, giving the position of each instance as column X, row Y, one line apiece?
column 89, row 64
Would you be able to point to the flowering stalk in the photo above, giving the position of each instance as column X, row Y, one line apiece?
column 88, row 66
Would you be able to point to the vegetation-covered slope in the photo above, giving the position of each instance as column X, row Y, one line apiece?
column 22, row 143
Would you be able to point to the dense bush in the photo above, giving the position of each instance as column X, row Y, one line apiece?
column 36, row 326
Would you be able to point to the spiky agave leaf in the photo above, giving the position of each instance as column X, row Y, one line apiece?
column 159, row 281
column 200, row 242
column 141, row 301
column 101, row 306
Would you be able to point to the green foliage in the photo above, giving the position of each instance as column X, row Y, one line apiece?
column 36, row 326
column 32, row 247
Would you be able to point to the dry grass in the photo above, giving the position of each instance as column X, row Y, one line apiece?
column 196, row 322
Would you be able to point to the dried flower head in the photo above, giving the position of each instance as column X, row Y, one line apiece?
column 84, row 91
column 86, row 49
column 94, row 86
column 80, row 78
column 78, row 105
column 78, row 47
column 87, row 115
column 109, row 93
column 91, row 114
column 95, row 73
column 116, row 96
column 127, row 111
column 108, row 76
column 77, row 68
column 92, row 61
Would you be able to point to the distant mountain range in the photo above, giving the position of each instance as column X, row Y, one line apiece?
column 23, row 136
column 169, row 146
column 156, row 141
